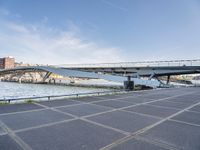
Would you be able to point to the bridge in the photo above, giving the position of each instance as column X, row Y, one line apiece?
column 118, row 72
column 143, row 69
column 61, row 71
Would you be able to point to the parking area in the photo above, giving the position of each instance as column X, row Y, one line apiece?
column 163, row 119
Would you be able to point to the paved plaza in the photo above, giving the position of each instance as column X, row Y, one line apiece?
column 163, row 119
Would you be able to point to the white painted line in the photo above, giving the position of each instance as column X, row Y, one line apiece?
column 197, row 112
column 4, row 133
column 187, row 123
column 71, row 105
column 146, row 115
column 84, row 119
column 81, row 118
column 105, row 126
column 147, row 128
column 20, row 112
column 56, row 110
column 163, row 145
column 167, row 107
column 16, row 138
column 44, row 125
column 96, row 114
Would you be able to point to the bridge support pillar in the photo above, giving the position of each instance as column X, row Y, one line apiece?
column 47, row 75
column 168, row 79
column 128, row 85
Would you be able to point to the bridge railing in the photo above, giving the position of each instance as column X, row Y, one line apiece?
column 137, row 64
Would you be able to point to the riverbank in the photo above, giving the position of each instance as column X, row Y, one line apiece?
column 89, row 83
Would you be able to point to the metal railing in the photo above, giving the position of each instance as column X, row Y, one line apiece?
column 51, row 97
column 195, row 62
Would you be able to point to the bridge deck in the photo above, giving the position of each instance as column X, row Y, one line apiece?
column 149, row 120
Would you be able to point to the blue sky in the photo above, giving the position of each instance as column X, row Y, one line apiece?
column 95, row 31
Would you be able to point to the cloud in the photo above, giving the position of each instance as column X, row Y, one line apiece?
column 16, row 28
column 42, row 44
column 111, row 4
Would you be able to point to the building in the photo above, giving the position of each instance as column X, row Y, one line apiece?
column 7, row 62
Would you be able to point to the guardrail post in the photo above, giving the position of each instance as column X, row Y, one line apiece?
column 48, row 98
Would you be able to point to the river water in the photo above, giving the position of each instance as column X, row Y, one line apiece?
column 17, row 90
